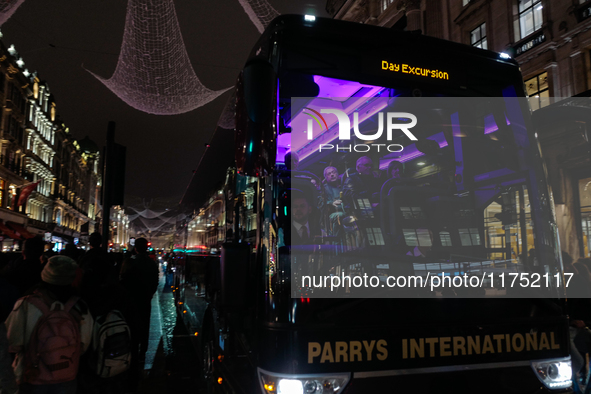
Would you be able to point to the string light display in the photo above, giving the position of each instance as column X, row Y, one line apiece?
column 7, row 8
column 153, row 73
column 144, row 219
column 260, row 12
column 226, row 120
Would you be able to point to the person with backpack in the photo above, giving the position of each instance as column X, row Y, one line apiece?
column 7, row 380
column 49, row 330
column 104, row 367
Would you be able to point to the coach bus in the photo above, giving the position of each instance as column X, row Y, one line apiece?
column 401, row 234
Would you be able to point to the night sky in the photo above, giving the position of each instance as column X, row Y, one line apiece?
column 60, row 38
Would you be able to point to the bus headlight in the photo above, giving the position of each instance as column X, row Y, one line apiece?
column 274, row 383
column 555, row 374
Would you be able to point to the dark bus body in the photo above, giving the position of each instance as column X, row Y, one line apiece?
column 260, row 334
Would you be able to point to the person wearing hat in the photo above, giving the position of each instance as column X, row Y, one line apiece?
column 55, row 291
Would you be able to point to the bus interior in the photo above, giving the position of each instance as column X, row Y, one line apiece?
column 470, row 196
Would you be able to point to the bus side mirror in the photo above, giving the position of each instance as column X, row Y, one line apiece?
column 234, row 275
column 256, row 118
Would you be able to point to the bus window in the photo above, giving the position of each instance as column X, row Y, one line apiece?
column 458, row 199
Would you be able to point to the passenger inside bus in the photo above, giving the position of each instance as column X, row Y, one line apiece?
column 333, row 197
column 304, row 227
column 395, row 170
column 362, row 185
column 292, row 161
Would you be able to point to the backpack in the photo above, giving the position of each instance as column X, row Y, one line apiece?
column 53, row 353
column 111, row 345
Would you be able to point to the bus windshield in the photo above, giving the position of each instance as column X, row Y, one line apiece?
column 391, row 192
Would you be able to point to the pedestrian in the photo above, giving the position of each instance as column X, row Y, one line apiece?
column 98, row 275
column 7, row 380
column 140, row 275
column 71, row 251
column 101, row 289
column 50, row 324
column 26, row 270
column 8, row 293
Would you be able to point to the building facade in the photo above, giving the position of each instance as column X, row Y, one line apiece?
column 38, row 141
column 75, row 192
column 49, row 181
column 120, row 230
column 551, row 40
column 223, row 216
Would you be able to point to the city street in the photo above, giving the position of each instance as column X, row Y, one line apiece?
column 295, row 197
column 172, row 363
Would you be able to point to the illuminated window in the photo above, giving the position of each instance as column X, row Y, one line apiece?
column 2, row 186
column 41, row 95
column 374, row 236
column 417, row 237
column 365, row 207
column 412, row 213
column 530, row 16
column 10, row 197
column 537, row 90
column 478, row 37
column 385, row 4
column 585, row 202
column 469, row 236
column 445, row 237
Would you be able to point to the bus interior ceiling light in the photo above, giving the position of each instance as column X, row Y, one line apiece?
column 342, row 95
